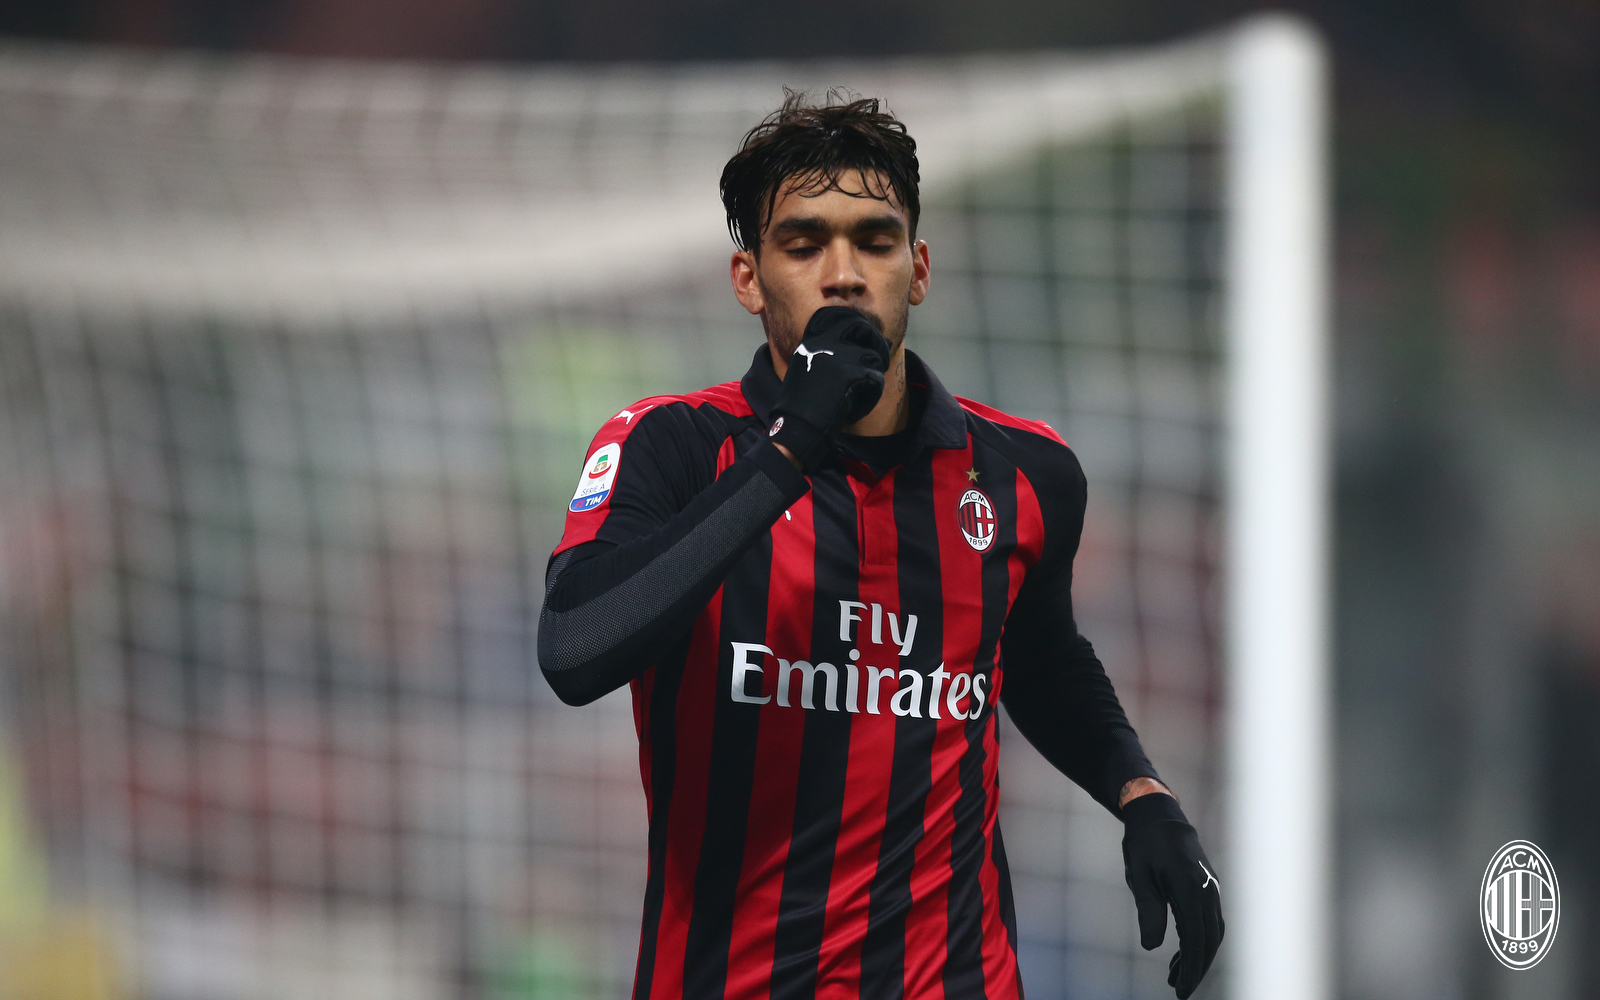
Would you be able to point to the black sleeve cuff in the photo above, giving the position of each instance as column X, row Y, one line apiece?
column 1152, row 807
column 791, row 482
column 1124, row 762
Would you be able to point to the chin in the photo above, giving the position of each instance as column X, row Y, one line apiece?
column 894, row 333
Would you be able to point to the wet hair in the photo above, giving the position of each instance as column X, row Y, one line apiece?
column 811, row 148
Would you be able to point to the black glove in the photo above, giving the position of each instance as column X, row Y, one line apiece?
column 1165, row 865
column 835, row 378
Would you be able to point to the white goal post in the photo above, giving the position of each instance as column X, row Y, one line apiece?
column 1279, row 750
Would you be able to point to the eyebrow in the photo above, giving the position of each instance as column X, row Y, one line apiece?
column 806, row 224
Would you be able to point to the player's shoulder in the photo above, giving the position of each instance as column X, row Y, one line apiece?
column 728, row 397
column 676, row 421
column 661, row 413
column 671, row 432
column 1032, row 445
column 1010, row 426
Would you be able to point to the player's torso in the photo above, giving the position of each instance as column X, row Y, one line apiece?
column 828, row 823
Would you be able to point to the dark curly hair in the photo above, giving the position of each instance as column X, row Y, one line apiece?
column 815, row 144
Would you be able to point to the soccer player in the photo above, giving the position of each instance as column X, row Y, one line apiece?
column 819, row 583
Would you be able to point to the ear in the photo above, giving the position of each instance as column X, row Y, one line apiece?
column 746, row 283
column 919, row 273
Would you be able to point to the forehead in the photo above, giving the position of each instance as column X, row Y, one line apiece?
column 851, row 193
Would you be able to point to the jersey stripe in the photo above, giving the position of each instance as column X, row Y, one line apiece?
column 731, row 776
column 777, row 761
column 999, row 945
column 1002, row 576
column 1008, row 906
column 1026, row 541
column 871, row 748
column 928, row 929
column 658, row 689
column 883, row 952
column 966, row 965
column 684, row 824
column 968, row 972
column 824, row 756
column 1028, row 530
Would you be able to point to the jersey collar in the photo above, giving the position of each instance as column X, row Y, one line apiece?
column 943, row 425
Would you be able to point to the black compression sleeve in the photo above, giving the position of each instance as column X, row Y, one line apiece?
column 1058, row 694
column 610, row 608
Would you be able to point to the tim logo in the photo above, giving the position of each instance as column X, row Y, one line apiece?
column 975, row 514
column 1519, row 905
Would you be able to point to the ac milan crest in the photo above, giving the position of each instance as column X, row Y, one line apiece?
column 975, row 514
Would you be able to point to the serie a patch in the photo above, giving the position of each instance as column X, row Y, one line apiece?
column 598, row 475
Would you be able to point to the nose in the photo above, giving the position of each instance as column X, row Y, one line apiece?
column 842, row 281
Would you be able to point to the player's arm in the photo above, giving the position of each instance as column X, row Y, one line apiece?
column 614, row 603
column 1058, row 695
column 1057, row 692
column 672, row 529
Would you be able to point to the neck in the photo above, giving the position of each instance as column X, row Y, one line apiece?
column 893, row 411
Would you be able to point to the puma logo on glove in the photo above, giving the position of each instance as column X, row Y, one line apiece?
column 808, row 354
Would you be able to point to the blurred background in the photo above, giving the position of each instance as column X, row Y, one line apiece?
column 273, row 724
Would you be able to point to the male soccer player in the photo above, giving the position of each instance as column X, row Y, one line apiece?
column 819, row 583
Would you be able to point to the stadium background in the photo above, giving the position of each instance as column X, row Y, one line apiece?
column 1468, row 362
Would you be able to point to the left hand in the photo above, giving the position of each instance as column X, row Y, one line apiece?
column 1165, row 866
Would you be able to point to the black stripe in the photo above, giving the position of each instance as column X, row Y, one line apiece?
column 883, row 952
column 964, row 947
column 728, row 783
column 663, row 764
column 963, row 971
column 1008, row 903
column 824, row 751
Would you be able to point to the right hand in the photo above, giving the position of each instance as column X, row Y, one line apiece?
column 835, row 378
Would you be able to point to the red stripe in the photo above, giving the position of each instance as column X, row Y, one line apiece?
column 687, row 816
column 999, row 961
column 1030, row 532
column 725, row 455
column 871, row 759
column 771, row 817
column 961, row 573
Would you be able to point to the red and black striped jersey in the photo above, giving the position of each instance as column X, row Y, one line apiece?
column 815, row 666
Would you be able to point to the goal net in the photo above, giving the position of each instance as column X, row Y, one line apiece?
column 298, row 362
